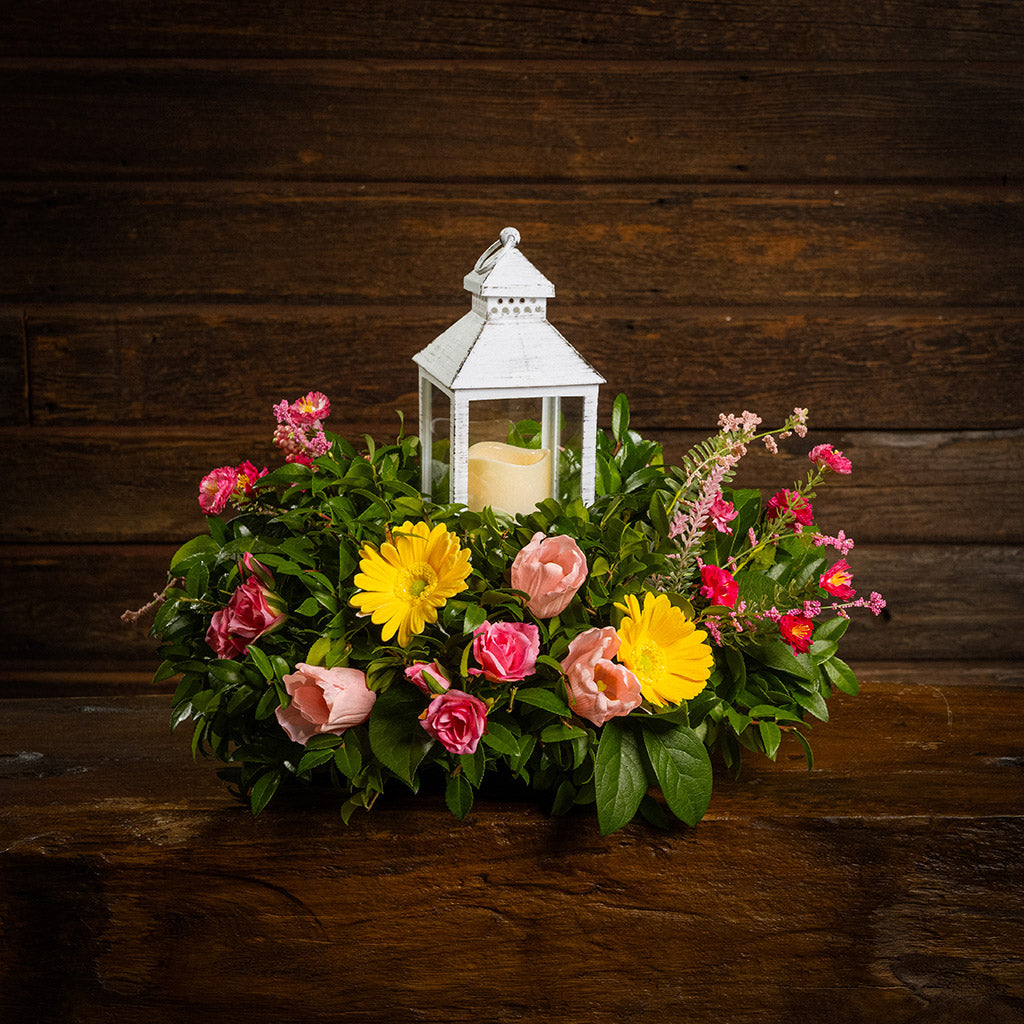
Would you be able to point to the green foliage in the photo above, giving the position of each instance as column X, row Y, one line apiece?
column 303, row 536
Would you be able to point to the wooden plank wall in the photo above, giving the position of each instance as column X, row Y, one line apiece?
column 208, row 207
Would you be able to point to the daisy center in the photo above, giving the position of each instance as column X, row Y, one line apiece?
column 415, row 582
column 649, row 661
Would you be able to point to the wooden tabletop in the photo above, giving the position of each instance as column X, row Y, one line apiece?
column 886, row 884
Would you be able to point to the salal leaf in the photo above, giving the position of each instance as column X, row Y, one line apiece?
column 619, row 776
column 683, row 770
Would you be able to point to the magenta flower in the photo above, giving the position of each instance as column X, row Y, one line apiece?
column 719, row 586
column 790, row 501
column 309, row 410
column 721, row 513
column 836, row 581
column 456, row 720
column 505, row 651
column 825, row 456
column 216, row 489
column 796, row 630
column 246, row 476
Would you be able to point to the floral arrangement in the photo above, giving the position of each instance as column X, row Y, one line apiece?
column 342, row 628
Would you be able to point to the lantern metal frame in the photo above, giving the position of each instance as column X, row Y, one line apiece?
column 505, row 348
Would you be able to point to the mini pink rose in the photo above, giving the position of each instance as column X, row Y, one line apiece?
column 599, row 688
column 248, row 615
column 414, row 673
column 550, row 570
column 216, row 489
column 505, row 651
column 719, row 586
column 456, row 720
column 324, row 700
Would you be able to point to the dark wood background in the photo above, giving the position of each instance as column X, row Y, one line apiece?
column 209, row 207
column 206, row 207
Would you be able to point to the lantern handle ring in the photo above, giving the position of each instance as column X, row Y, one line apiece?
column 508, row 238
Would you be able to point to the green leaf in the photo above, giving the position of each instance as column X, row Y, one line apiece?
column 842, row 676
column 269, row 702
column 203, row 545
column 833, row 629
column 565, row 797
column 314, row 758
column 619, row 777
column 538, row 697
column 348, row 757
column 812, row 702
column 777, row 655
column 262, row 662
column 771, row 737
column 458, row 795
column 500, row 739
column 473, row 766
column 683, row 770
column 264, row 788
column 165, row 671
column 560, row 731
column 620, row 419
column 397, row 739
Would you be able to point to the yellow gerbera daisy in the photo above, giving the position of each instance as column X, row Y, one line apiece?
column 406, row 581
column 664, row 650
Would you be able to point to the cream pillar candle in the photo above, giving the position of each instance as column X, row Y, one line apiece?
column 509, row 479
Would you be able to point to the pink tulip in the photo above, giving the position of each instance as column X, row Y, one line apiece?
column 599, row 688
column 324, row 700
column 550, row 570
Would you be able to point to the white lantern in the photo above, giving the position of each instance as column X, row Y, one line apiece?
column 508, row 408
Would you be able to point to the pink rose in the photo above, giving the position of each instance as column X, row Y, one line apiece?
column 719, row 586
column 505, row 651
column 216, row 489
column 414, row 673
column 248, row 615
column 790, row 501
column 599, row 688
column 456, row 720
column 324, row 700
column 550, row 570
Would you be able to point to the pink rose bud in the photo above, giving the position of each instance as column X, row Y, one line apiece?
column 249, row 614
column 415, row 674
column 719, row 586
column 456, row 720
column 599, row 688
column 216, row 489
column 324, row 700
column 505, row 651
column 550, row 570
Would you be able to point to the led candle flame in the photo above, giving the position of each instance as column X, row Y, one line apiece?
column 509, row 479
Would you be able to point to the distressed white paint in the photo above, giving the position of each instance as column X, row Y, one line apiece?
column 504, row 347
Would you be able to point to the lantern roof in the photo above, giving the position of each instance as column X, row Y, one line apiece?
column 498, row 345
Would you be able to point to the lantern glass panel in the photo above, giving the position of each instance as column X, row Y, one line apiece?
column 569, row 433
column 440, row 454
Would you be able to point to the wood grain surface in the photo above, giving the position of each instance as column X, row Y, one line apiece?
column 561, row 30
column 545, row 121
column 883, row 884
